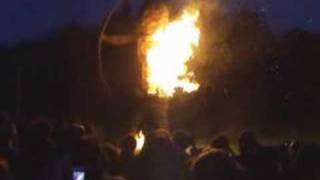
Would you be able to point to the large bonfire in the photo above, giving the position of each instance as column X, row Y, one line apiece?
column 167, row 47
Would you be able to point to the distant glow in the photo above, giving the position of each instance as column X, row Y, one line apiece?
column 169, row 48
column 140, row 139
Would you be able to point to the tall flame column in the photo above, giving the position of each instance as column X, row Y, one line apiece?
column 165, row 47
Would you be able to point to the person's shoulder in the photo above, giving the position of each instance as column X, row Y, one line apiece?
column 211, row 154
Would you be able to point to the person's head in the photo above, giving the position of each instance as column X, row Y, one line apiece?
column 248, row 142
column 160, row 158
column 128, row 145
column 215, row 164
column 39, row 130
column 36, row 134
column 221, row 142
column 73, row 135
column 183, row 140
column 293, row 147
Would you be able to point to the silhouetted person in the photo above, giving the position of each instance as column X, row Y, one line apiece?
column 304, row 162
column 160, row 159
column 112, row 159
column 128, row 146
column 259, row 162
column 248, row 144
column 85, row 152
column 79, row 150
column 183, row 140
column 128, row 160
column 37, row 159
column 7, row 151
column 222, row 143
column 214, row 164
column 185, row 145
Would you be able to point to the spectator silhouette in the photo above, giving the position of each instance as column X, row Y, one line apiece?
column 7, row 152
column 160, row 159
column 260, row 162
column 304, row 162
column 128, row 160
column 221, row 142
column 37, row 159
column 185, row 147
column 214, row 164
column 112, row 159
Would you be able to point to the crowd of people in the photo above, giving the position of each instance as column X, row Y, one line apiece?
column 40, row 151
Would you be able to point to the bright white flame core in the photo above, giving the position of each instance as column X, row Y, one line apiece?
column 171, row 46
column 140, row 139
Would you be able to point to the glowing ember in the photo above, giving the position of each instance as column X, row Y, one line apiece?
column 140, row 139
column 168, row 49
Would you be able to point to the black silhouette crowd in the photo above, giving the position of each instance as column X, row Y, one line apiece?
column 41, row 151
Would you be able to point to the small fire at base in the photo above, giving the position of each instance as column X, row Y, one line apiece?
column 140, row 140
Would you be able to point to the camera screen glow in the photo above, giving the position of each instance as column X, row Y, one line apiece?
column 78, row 175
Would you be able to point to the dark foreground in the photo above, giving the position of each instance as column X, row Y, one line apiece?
column 72, row 151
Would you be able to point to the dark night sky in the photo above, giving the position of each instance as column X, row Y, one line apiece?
column 29, row 19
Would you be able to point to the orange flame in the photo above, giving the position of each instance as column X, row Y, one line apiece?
column 140, row 139
column 168, row 49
